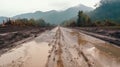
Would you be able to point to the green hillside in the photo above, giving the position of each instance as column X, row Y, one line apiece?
column 108, row 9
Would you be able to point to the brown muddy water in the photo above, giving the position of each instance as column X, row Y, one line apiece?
column 62, row 47
column 31, row 54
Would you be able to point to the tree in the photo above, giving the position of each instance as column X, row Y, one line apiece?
column 98, row 23
column 83, row 19
column 9, row 22
column 109, row 23
column 108, row 9
column 32, row 22
column 80, row 21
column 41, row 22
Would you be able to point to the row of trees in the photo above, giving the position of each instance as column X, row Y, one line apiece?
column 25, row 22
column 84, row 20
column 108, row 9
column 105, row 23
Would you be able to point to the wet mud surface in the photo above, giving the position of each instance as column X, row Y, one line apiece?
column 62, row 47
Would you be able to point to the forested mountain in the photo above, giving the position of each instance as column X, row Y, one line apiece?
column 55, row 17
column 108, row 9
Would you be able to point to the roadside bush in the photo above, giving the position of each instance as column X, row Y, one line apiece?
column 116, row 34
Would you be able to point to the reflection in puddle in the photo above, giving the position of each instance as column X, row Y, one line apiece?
column 31, row 54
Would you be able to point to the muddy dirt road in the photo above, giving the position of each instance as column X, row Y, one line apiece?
column 63, row 47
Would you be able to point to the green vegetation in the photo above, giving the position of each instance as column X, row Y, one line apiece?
column 69, row 23
column 84, row 20
column 25, row 22
column 107, row 14
column 108, row 9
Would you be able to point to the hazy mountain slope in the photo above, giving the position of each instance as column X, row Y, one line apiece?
column 55, row 16
column 2, row 18
column 107, row 10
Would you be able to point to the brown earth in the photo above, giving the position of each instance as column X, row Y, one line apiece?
column 63, row 47
column 12, row 36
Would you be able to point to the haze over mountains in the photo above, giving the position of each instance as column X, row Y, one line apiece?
column 109, row 9
column 2, row 18
column 53, row 16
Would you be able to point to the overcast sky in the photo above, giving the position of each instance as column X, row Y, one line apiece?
column 13, row 7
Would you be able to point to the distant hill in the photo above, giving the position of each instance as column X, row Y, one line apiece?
column 2, row 18
column 55, row 17
column 109, row 9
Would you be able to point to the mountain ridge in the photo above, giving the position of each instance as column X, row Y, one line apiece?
column 54, row 16
column 108, row 10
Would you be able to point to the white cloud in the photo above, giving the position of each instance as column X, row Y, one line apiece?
column 13, row 7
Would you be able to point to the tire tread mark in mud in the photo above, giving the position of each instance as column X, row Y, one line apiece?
column 81, row 52
column 57, row 50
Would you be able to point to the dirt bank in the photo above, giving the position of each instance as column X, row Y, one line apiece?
column 11, row 37
column 63, row 47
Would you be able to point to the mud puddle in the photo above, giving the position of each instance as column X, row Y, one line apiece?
column 31, row 54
